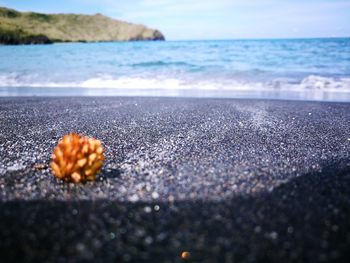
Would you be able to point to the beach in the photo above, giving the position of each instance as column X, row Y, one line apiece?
column 225, row 180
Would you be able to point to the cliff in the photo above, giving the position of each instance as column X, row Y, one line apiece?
column 35, row 28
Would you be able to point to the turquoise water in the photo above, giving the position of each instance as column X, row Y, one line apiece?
column 301, row 69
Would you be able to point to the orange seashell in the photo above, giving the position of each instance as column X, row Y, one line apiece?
column 77, row 158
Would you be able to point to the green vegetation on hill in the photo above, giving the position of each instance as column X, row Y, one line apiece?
column 34, row 28
column 17, row 36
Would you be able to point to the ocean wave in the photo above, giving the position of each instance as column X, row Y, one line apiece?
column 161, row 63
column 317, row 82
column 312, row 82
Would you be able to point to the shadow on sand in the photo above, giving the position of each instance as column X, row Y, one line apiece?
column 304, row 220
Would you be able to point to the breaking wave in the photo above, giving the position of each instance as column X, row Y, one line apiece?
column 310, row 83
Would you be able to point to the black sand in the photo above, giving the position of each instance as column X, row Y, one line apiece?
column 225, row 180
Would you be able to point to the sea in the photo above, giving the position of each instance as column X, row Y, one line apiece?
column 288, row 69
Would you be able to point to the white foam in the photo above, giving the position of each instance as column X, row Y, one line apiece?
column 317, row 83
column 324, row 83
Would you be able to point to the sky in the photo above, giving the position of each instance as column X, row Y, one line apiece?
column 214, row 19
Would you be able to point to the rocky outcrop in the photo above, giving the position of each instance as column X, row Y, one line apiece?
column 35, row 28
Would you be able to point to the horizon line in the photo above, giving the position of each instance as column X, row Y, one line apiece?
column 261, row 38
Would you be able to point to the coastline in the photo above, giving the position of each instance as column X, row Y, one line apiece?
column 225, row 179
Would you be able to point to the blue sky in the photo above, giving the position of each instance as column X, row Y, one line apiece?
column 214, row 19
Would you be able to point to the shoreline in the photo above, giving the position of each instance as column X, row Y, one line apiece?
column 264, row 94
column 224, row 179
